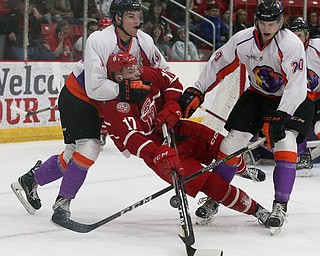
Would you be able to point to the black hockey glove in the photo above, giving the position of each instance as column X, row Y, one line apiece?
column 273, row 127
column 133, row 91
column 190, row 100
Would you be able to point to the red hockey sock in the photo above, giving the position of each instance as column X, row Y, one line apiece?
column 229, row 195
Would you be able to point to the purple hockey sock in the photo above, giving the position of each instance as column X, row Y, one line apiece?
column 73, row 179
column 226, row 171
column 49, row 171
column 302, row 147
column 283, row 179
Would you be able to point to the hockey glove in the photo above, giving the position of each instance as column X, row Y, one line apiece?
column 133, row 91
column 273, row 127
column 166, row 159
column 190, row 100
column 170, row 114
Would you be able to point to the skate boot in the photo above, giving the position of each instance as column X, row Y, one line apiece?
column 61, row 209
column 206, row 211
column 103, row 139
column 304, row 165
column 277, row 217
column 31, row 202
column 262, row 215
column 254, row 174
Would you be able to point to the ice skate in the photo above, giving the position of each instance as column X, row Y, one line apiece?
column 61, row 209
column 262, row 215
column 30, row 201
column 277, row 217
column 304, row 165
column 206, row 211
column 254, row 174
column 103, row 139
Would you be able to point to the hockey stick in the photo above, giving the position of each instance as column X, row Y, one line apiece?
column 213, row 114
column 30, row 113
column 179, row 200
column 183, row 208
column 85, row 228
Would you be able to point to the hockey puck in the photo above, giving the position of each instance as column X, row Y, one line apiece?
column 175, row 201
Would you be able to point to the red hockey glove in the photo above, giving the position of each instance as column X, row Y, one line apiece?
column 273, row 127
column 190, row 100
column 170, row 114
column 166, row 159
column 133, row 91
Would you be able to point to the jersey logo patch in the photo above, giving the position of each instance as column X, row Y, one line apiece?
column 123, row 107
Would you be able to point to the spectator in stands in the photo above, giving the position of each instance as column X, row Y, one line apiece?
column 13, row 23
column 225, row 19
column 91, row 27
column 241, row 21
column 313, row 24
column 60, row 42
column 157, row 33
column 206, row 28
column 178, row 47
column 153, row 17
column 94, row 13
column 105, row 6
column 60, row 10
column 176, row 13
column 200, row 6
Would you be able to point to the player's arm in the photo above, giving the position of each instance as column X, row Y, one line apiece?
column 97, row 84
column 222, row 62
column 294, row 67
column 171, row 90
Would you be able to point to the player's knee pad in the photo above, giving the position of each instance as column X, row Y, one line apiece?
column 234, row 141
column 286, row 149
column 66, row 155
column 89, row 148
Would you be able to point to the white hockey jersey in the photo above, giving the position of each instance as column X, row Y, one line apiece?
column 277, row 69
column 313, row 65
column 92, row 73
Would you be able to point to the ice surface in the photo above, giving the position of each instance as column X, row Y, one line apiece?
column 114, row 183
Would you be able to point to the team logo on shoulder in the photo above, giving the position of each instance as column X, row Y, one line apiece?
column 123, row 107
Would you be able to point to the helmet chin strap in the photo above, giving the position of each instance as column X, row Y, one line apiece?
column 121, row 27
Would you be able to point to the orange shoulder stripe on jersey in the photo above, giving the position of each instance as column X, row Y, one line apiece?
column 82, row 160
column 75, row 88
column 285, row 156
column 232, row 161
column 224, row 72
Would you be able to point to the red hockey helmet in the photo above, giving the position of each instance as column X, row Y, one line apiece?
column 104, row 22
column 117, row 62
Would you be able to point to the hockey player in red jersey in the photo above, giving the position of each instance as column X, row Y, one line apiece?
column 135, row 129
column 275, row 102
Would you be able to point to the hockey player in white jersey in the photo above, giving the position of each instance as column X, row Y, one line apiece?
column 80, row 105
column 312, row 48
column 275, row 101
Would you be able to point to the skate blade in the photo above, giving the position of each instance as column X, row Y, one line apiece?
column 203, row 222
column 275, row 230
column 304, row 173
column 17, row 189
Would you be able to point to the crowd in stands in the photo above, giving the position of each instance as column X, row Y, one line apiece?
column 55, row 27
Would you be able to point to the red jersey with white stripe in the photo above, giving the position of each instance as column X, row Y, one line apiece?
column 276, row 69
column 130, row 126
